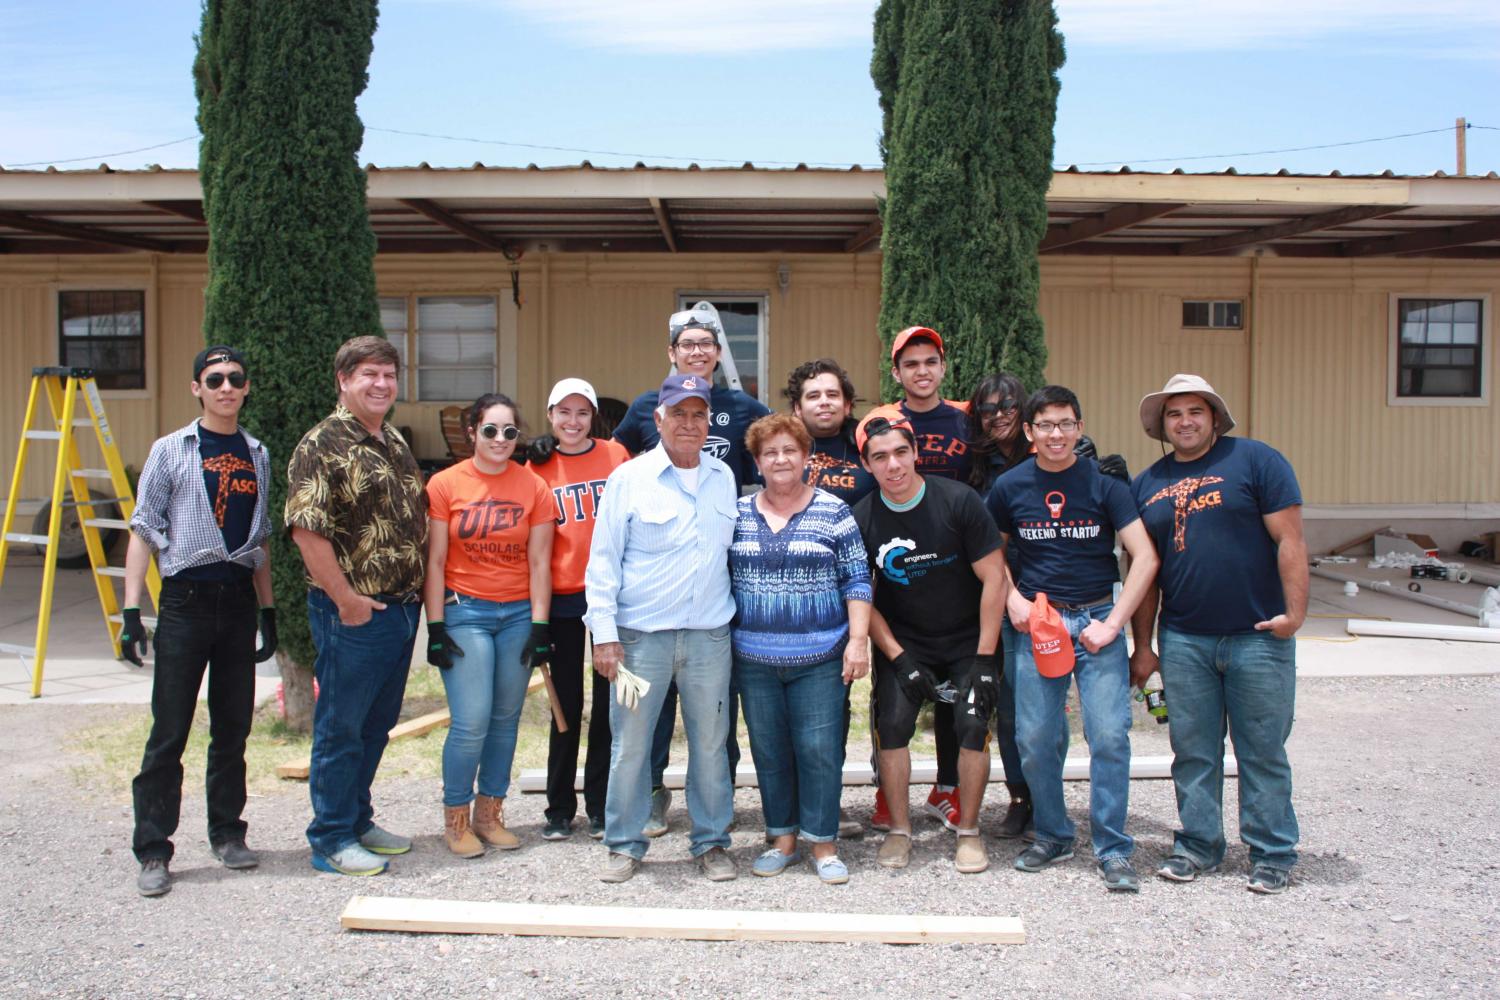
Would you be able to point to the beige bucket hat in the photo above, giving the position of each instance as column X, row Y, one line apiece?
column 1152, row 404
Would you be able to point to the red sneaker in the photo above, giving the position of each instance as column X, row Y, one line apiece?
column 943, row 807
column 881, row 818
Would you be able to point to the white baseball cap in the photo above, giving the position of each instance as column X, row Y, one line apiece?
column 570, row 387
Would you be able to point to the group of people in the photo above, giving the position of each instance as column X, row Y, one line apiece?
column 961, row 553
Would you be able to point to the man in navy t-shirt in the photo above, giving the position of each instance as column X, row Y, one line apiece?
column 1225, row 515
column 822, row 397
column 1060, row 516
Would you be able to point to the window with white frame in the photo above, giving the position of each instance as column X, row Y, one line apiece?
column 1213, row 314
column 1439, row 348
column 744, row 319
column 454, row 342
column 393, row 320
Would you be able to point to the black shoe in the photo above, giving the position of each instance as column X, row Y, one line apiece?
column 1268, row 881
column 1042, row 855
column 1181, row 868
column 234, row 854
column 1017, row 820
column 155, row 879
column 557, row 829
column 1119, row 875
column 596, row 827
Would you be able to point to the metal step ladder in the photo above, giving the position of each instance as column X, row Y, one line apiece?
column 62, row 388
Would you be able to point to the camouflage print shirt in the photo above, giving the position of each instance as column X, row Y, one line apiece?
column 366, row 497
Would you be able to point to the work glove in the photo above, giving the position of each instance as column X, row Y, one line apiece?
column 441, row 649
column 1114, row 465
column 629, row 688
column 538, row 648
column 981, row 687
column 133, row 641
column 267, row 635
column 1085, row 447
column 917, row 682
column 539, row 451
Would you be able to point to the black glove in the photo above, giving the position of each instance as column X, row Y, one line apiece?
column 917, row 682
column 267, row 635
column 1085, row 447
column 1114, row 465
column 538, row 647
column 441, row 649
column 983, row 681
column 539, row 451
column 133, row 641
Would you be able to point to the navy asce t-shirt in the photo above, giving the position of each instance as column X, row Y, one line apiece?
column 1062, row 529
column 921, row 559
column 834, row 466
column 1218, row 564
column 730, row 413
column 229, row 478
column 942, row 435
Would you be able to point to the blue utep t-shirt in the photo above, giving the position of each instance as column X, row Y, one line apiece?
column 229, row 478
column 730, row 413
column 942, row 435
column 1062, row 529
column 1218, row 564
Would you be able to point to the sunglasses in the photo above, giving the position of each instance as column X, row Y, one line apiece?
column 215, row 379
column 991, row 409
column 491, row 431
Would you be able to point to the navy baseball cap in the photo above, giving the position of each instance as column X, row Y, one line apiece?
column 676, row 388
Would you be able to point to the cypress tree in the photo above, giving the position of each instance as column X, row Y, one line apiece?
column 968, row 97
column 291, row 252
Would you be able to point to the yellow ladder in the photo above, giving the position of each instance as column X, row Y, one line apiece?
column 62, row 387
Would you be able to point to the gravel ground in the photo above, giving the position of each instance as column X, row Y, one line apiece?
column 1387, row 902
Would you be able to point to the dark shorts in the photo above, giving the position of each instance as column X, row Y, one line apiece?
column 896, row 714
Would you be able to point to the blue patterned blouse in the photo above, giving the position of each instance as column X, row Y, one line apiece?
column 790, row 585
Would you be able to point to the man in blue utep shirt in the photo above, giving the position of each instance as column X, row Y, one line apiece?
column 1060, row 515
column 695, row 338
column 1225, row 515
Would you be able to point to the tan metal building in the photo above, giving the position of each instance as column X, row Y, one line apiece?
column 1347, row 320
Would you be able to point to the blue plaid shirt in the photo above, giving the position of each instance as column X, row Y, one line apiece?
column 173, row 513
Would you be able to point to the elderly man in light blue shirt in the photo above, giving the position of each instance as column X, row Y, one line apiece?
column 659, row 605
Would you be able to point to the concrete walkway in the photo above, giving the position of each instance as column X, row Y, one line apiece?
column 79, row 667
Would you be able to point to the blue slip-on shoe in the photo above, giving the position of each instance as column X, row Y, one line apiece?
column 350, row 860
column 773, row 862
column 831, row 871
column 378, row 841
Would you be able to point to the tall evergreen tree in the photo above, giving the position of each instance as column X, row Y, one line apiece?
column 968, row 97
column 291, row 252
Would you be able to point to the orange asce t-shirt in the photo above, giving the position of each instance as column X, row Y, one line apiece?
column 489, row 520
column 577, row 483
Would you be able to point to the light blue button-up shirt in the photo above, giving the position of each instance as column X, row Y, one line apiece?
column 659, row 558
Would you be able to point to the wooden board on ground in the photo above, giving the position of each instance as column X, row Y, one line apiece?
column 922, row 772
column 296, row 770
column 445, row 916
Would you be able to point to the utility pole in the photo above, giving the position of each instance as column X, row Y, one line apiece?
column 1460, row 126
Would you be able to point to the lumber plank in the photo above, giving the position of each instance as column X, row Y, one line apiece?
column 443, row 916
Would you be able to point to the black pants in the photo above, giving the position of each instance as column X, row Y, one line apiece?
column 562, row 748
column 199, row 625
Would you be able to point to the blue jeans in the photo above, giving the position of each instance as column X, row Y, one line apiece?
column 361, row 674
column 486, row 691
column 796, row 720
column 1248, row 684
column 666, row 727
column 699, row 660
column 1042, row 735
column 1005, row 718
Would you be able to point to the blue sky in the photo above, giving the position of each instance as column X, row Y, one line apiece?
column 673, row 81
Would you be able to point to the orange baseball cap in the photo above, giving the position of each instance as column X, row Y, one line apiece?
column 1051, row 645
column 890, row 413
column 915, row 333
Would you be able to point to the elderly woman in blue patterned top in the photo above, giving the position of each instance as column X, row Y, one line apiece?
column 802, row 586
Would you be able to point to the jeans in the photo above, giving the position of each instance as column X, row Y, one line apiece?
column 486, row 691
column 666, row 725
column 796, row 720
column 568, row 677
column 1005, row 719
column 1248, row 684
column 1042, row 735
column 699, row 660
column 200, row 625
column 361, row 672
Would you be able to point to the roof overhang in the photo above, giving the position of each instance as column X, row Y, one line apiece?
column 513, row 210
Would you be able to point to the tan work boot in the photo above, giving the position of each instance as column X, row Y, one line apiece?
column 895, row 850
column 970, row 857
column 456, row 833
column 489, row 823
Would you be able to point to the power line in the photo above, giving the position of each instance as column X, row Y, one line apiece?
column 1272, row 152
column 101, row 156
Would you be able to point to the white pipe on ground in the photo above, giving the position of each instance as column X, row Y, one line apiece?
column 1386, row 587
column 1421, row 630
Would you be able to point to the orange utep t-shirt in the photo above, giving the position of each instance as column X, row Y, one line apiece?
column 489, row 519
column 577, row 483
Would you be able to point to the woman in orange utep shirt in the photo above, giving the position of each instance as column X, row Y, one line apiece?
column 488, row 595
column 575, row 470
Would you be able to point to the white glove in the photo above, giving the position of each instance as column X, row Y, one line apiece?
column 629, row 688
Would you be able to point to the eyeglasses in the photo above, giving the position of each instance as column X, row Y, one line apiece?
column 215, row 379
column 1048, row 426
column 697, row 346
column 987, row 410
column 491, row 431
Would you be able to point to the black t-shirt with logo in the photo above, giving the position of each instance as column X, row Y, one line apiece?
column 834, row 466
column 229, row 478
column 921, row 562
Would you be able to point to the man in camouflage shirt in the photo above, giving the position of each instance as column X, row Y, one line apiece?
column 356, row 511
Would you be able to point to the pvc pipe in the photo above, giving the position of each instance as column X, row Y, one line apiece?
column 1488, row 577
column 1419, row 630
column 1385, row 587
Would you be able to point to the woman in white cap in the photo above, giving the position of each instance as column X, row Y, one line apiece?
column 575, row 470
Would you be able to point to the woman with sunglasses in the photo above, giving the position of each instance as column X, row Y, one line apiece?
column 996, row 444
column 488, row 596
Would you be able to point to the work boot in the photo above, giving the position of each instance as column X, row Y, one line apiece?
column 1016, row 822
column 656, row 823
column 489, row 823
column 457, row 835
column 234, row 854
column 155, row 879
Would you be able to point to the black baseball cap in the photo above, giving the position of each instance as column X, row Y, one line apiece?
column 217, row 354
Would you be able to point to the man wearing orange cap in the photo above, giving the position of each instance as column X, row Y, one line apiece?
column 1059, row 516
column 1226, row 515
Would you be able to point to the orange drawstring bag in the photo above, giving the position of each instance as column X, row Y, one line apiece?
column 1051, row 645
